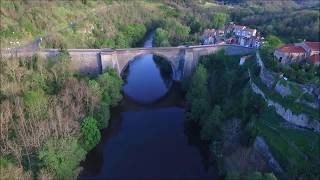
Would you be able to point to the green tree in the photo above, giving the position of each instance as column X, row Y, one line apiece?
column 194, row 24
column 134, row 33
column 219, row 20
column 270, row 176
column 103, row 114
column 212, row 124
column 178, row 33
column 197, row 94
column 90, row 132
column 62, row 156
column 273, row 42
column 161, row 38
column 111, row 86
column 233, row 175
column 122, row 41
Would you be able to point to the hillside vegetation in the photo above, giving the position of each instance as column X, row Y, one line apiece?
column 220, row 100
column 50, row 116
column 76, row 24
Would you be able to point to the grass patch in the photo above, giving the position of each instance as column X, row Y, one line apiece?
column 296, row 150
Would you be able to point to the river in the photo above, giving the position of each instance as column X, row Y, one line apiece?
column 148, row 137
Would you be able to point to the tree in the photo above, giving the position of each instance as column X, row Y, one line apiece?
column 62, row 156
column 219, row 20
column 161, row 38
column 194, row 24
column 197, row 94
column 90, row 132
column 273, row 42
column 122, row 41
column 212, row 124
column 177, row 32
column 111, row 86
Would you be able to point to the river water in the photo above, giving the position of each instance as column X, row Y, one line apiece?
column 148, row 137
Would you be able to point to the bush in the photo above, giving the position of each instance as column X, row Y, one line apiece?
column 111, row 85
column 36, row 103
column 134, row 32
column 219, row 20
column 122, row 41
column 161, row 38
column 62, row 156
column 90, row 132
column 103, row 115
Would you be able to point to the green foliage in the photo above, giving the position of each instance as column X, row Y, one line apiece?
column 194, row 23
column 177, row 32
column 232, row 175
column 122, row 41
column 197, row 94
column 260, row 176
column 95, row 87
column 250, row 132
column 273, row 42
column 134, row 33
column 111, row 85
column 90, row 132
column 105, row 43
column 36, row 103
column 62, row 157
column 161, row 38
column 291, row 21
column 219, row 20
column 103, row 115
column 211, row 126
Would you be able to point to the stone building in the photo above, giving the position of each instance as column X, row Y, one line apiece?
column 305, row 51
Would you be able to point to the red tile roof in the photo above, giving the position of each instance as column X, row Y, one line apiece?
column 315, row 58
column 315, row 46
column 290, row 48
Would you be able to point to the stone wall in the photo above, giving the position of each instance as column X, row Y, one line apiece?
column 301, row 120
column 267, row 77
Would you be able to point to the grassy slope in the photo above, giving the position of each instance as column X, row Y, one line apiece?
column 24, row 22
column 297, row 150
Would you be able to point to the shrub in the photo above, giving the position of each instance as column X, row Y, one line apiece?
column 111, row 85
column 161, row 38
column 36, row 103
column 90, row 132
column 62, row 156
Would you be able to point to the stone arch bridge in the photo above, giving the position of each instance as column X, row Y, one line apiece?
column 183, row 59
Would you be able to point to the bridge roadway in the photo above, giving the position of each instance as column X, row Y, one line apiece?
column 183, row 59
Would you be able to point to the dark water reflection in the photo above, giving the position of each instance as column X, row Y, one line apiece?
column 148, row 137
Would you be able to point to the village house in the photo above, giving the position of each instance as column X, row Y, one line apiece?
column 299, row 52
column 212, row 36
column 243, row 36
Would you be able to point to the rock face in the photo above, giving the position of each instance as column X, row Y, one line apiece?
column 283, row 90
column 265, row 75
column 301, row 120
column 262, row 147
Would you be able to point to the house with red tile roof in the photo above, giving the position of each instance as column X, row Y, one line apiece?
column 298, row 52
column 315, row 59
column 289, row 53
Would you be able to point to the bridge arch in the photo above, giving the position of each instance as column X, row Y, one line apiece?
column 154, row 53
